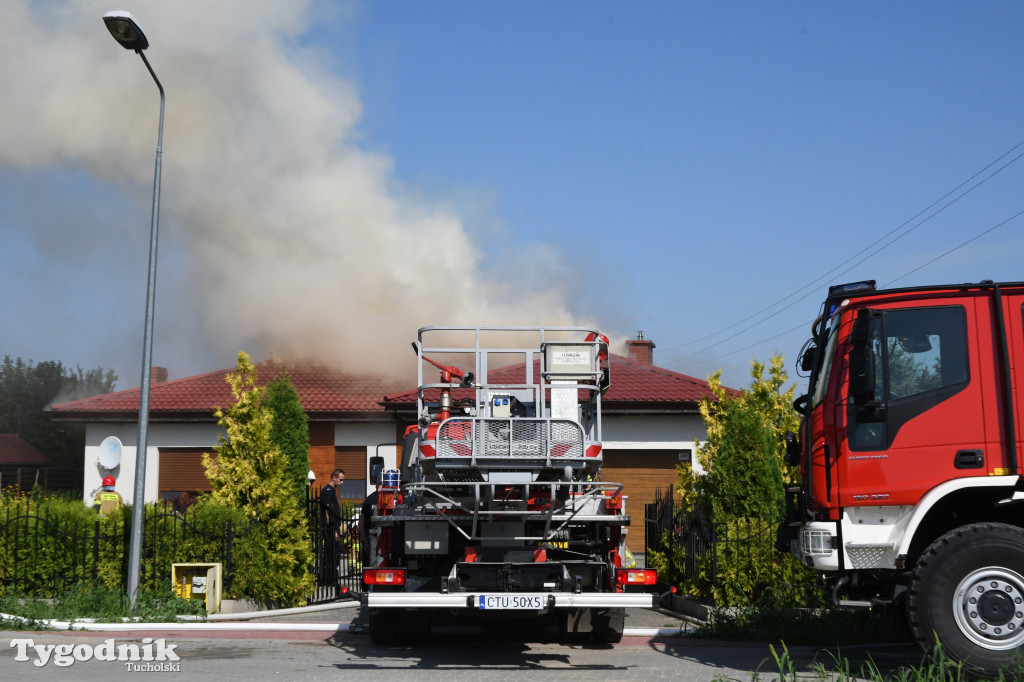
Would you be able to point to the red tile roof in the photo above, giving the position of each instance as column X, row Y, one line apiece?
column 329, row 393
column 322, row 390
column 16, row 452
column 634, row 386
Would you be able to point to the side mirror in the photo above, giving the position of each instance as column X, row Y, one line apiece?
column 807, row 359
column 792, row 449
column 862, row 360
column 376, row 469
column 862, row 375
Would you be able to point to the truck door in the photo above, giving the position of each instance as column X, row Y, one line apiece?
column 931, row 400
column 1013, row 310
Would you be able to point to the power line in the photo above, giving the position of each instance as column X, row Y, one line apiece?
column 813, row 284
column 810, row 287
column 886, row 285
column 955, row 248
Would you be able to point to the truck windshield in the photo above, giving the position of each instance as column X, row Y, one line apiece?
column 826, row 365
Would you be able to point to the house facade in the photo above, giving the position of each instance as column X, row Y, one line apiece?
column 650, row 423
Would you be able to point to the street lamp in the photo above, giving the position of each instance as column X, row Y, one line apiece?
column 126, row 31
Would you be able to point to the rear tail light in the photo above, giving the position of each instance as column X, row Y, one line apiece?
column 384, row 576
column 636, row 576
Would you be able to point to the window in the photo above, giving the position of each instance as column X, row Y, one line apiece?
column 181, row 471
column 352, row 459
column 920, row 360
column 926, row 349
column 821, row 389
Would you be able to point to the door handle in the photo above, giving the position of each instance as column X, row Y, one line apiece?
column 969, row 459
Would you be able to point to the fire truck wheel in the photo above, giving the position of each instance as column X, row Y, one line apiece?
column 968, row 590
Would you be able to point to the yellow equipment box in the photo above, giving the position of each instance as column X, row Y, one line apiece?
column 198, row 581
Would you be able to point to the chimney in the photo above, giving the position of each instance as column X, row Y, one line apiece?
column 641, row 350
column 157, row 375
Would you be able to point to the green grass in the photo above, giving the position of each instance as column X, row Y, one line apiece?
column 811, row 627
column 96, row 603
column 832, row 629
column 935, row 667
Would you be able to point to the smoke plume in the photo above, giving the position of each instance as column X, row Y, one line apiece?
column 280, row 235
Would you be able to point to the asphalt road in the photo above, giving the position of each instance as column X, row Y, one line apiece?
column 317, row 648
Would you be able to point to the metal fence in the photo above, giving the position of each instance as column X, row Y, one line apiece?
column 42, row 552
column 337, row 565
column 738, row 559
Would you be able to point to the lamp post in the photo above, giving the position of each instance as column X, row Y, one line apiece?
column 126, row 31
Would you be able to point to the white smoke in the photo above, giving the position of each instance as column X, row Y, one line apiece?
column 279, row 234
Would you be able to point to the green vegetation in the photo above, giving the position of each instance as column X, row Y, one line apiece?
column 102, row 604
column 935, row 667
column 26, row 389
column 833, row 631
column 740, row 497
column 49, row 541
column 249, row 473
column 253, row 515
column 290, row 430
column 768, row 620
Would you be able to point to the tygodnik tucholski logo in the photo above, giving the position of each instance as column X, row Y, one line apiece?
column 148, row 656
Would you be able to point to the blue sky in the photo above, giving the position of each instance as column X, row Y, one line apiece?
column 338, row 174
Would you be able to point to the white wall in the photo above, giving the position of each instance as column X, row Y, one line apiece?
column 654, row 432
column 186, row 435
column 159, row 435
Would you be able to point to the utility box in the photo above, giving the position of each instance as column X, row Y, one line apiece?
column 198, row 581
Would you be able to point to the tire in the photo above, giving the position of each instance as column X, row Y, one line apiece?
column 967, row 590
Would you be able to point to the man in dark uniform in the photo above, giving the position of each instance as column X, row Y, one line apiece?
column 331, row 527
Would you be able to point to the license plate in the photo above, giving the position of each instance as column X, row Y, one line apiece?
column 510, row 602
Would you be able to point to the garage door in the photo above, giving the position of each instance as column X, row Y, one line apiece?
column 642, row 472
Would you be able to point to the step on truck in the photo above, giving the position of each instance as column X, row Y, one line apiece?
column 497, row 508
column 910, row 456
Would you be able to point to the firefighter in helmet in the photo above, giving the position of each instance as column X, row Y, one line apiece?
column 107, row 499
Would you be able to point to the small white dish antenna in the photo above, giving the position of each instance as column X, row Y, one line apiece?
column 110, row 452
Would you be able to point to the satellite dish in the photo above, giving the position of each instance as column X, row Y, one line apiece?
column 110, row 452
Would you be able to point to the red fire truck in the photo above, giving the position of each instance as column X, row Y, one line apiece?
column 497, row 508
column 910, row 456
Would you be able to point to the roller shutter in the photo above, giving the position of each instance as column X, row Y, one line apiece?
column 642, row 472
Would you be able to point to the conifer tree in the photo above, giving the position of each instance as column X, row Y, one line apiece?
column 250, row 474
column 744, row 453
column 290, row 430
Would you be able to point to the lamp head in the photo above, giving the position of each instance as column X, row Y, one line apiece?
column 126, row 30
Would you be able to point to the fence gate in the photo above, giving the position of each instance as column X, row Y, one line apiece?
column 671, row 532
column 336, row 564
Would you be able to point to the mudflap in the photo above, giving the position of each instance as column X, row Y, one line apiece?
column 608, row 625
column 604, row 626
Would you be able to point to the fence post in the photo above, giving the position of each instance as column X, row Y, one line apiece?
column 95, row 551
column 230, row 539
column 714, row 552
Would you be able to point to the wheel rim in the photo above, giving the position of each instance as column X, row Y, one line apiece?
column 989, row 607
